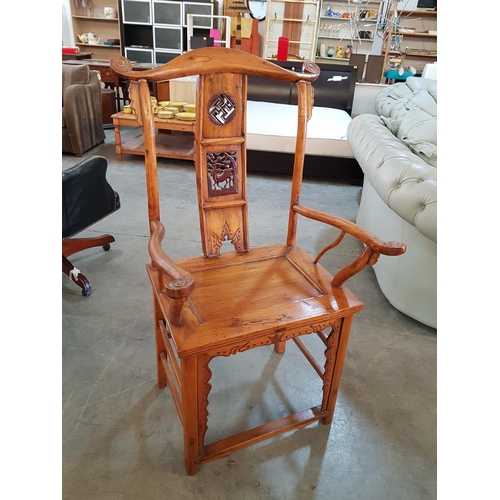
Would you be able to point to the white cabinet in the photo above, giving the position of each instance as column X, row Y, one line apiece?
column 347, row 26
column 154, row 31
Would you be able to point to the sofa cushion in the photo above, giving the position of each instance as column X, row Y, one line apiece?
column 425, row 150
column 418, row 130
column 391, row 123
column 423, row 101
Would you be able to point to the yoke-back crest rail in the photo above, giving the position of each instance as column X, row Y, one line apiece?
column 214, row 60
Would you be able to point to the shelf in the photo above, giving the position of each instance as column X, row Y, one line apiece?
column 416, row 35
column 293, row 41
column 100, row 45
column 106, row 19
column 347, row 39
column 421, row 13
column 414, row 54
column 332, row 58
column 292, row 20
column 368, row 20
column 92, row 19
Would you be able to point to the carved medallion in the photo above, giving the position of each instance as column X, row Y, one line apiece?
column 222, row 173
column 221, row 108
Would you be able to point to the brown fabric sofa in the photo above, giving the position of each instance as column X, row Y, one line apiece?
column 81, row 109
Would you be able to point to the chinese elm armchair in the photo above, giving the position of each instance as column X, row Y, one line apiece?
column 224, row 303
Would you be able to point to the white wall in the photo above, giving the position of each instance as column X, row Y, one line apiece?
column 68, row 37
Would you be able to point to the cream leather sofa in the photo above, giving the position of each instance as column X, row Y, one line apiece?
column 397, row 151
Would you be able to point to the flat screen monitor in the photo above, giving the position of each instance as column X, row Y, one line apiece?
column 427, row 4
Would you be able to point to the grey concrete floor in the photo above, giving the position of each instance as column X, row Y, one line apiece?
column 121, row 437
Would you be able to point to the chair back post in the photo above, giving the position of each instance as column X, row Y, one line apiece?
column 305, row 98
column 140, row 100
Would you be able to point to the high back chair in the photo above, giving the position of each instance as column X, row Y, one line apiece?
column 224, row 303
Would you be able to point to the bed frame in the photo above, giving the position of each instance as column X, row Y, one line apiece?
column 267, row 90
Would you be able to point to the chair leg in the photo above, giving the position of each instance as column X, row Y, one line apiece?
column 335, row 356
column 74, row 245
column 279, row 347
column 190, row 414
column 76, row 276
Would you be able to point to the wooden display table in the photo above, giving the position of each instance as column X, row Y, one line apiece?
column 178, row 146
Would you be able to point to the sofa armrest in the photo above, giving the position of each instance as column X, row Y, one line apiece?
column 406, row 183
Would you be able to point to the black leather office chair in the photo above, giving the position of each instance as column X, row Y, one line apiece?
column 87, row 198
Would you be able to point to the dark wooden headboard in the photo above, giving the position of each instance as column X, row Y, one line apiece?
column 334, row 87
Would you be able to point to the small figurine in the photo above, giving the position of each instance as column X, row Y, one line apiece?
column 329, row 11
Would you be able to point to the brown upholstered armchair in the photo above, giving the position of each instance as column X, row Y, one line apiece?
column 81, row 109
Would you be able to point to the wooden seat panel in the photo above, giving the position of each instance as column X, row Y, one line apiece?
column 268, row 293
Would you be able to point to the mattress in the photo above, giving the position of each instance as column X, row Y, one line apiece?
column 273, row 127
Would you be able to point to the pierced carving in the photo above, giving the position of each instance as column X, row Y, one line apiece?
column 331, row 356
column 222, row 173
column 221, row 108
column 206, row 375
column 226, row 235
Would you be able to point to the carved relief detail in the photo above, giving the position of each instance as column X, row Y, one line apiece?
column 269, row 339
column 222, row 173
column 206, row 375
column 222, row 108
column 331, row 357
column 226, row 235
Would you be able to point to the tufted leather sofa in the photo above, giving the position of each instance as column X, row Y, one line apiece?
column 397, row 151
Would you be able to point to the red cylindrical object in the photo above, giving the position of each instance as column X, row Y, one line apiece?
column 283, row 48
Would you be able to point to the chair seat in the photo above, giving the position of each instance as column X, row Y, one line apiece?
column 279, row 285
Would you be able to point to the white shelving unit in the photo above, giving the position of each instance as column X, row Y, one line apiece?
column 295, row 19
column 348, row 23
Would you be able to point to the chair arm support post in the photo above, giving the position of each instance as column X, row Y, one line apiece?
column 175, row 282
column 370, row 254
column 376, row 244
column 367, row 256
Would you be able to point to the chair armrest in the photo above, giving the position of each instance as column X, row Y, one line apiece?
column 373, row 245
column 174, row 281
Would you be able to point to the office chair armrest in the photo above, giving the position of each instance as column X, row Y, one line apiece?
column 373, row 246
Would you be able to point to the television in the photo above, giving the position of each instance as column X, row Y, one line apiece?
column 427, row 4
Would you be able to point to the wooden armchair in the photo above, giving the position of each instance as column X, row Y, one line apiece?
column 221, row 304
